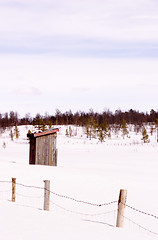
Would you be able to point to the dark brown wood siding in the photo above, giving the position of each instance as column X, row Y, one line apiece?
column 32, row 150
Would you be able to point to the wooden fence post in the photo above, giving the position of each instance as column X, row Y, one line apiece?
column 121, row 208
column 13, row 189
column 46, row 194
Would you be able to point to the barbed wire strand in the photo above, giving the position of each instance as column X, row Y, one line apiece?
column 89, row 203
column 83, row 214
column 28, row 186
column 140, row 226
column 5, row 181
column 26, row 196
column 137, row 210
column 67, row 197
column 3, row 191
column 81, row 201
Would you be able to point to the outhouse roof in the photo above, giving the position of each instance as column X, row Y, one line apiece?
column 48, row 132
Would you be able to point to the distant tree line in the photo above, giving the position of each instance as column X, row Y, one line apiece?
column 80, row 118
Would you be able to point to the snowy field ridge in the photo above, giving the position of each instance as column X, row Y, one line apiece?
column 84, row 187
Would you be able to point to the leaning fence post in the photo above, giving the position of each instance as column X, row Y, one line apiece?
column 46, row 194
column 121, row 208
column 13, row 189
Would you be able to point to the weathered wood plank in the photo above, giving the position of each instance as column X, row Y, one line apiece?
column 45, row 152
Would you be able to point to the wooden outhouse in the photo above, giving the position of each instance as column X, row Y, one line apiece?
column 43, row 149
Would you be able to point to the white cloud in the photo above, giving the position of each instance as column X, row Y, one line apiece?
column 81, row 89
column 27, row 91
column 49, row 73
column 111, row 20
column 38, row 36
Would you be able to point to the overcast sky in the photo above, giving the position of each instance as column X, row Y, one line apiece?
column 78, row 54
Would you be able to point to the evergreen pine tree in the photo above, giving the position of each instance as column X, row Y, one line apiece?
column 91, row 127
column 11, row 135
column 16, row 131
column 67, row 133
column 124, row 128
column 28, row 134
column 40, row 124
column 49, row 124
column 156, row 126
column 43, row 126
column 70, row 131
column 145, row 137
column 87, row 131
column 104, row 128
column 4, row 145
column 101, row 136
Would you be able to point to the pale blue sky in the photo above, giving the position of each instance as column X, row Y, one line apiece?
column 78, row 55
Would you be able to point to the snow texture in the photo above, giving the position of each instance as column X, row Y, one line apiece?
column 89, row 174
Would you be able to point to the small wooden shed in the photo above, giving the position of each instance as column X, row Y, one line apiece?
column 43, row 149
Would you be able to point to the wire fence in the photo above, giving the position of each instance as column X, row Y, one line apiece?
column 5, row 190
column 140, row 227
column 34, row 197
column 137, row 210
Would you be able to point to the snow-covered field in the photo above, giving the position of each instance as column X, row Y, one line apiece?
column 89, row 173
